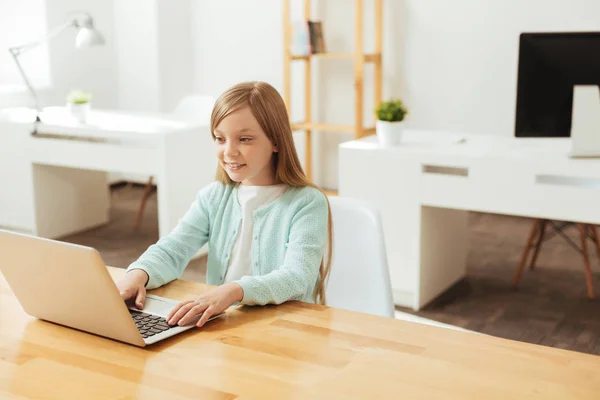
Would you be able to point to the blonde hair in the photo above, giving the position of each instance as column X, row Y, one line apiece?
column 270, row 111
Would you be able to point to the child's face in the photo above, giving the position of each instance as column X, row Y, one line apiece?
column 243, row 149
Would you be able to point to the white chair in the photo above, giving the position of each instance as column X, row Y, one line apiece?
column 195, row 108
column 359, row 279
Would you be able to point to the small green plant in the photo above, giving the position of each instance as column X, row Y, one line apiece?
column 79, row 97
column 392, row 110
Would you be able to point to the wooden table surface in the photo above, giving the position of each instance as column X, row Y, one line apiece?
column 294, row 350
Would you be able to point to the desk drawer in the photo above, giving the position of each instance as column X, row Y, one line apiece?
column 526, row 189
column 569, row 198
column 446, row 186
column 125, row 158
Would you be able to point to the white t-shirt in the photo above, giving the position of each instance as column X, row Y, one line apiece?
column 250, row 199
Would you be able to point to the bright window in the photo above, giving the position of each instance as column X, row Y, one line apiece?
column 22, row 22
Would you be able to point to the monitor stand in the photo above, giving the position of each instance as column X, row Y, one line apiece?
column 585, row 124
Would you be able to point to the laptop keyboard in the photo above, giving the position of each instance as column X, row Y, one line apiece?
column 148, row 324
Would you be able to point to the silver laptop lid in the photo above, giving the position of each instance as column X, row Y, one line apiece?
column 67, row 284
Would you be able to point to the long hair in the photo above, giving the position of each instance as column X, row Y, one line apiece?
column 270, row 111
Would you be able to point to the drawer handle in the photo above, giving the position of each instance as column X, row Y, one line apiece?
column 562, row 180
column 445, row 170
column 55, row 136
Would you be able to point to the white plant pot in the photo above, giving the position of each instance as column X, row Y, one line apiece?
column 389, row 134
column 79, row 111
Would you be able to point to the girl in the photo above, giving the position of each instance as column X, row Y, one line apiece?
column 268, row 228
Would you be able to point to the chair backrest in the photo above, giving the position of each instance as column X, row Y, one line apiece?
column 359, row 279
column 195, row 108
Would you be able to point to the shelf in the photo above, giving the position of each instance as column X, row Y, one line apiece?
column 357, row 58
column 374, row 57
column 303, row 126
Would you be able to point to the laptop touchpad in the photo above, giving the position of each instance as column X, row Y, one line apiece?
column 159, row 305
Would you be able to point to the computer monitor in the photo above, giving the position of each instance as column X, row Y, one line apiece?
column 550, row 64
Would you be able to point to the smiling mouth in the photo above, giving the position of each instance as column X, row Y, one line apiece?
column 234, row 167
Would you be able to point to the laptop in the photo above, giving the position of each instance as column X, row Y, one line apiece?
column 69, row 284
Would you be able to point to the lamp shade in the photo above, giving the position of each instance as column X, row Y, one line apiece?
column 88, row 36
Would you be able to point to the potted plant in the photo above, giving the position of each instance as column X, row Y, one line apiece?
column 389, row 125
column 78, row 104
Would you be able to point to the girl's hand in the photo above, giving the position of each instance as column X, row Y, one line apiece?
column 207, row 304
column 133, row 286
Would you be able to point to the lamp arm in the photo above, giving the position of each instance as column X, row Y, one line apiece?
column 29, row 87
column 15, row 51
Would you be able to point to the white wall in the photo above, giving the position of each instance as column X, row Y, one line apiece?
column 236, row 40
column 153, row 54
column 13, row 32
column 175, row 44
column 138, row 85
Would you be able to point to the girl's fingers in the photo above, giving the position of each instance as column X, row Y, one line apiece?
column 125, row 294
column 193, row 313
column 176, row 308
column 140, row 298
column 173, row 311
column 207, row 314
column 179, row 311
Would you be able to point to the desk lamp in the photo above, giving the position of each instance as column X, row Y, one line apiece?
column 87, row 36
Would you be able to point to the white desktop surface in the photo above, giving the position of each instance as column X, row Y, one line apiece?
column 108, row 122
column 424, row 188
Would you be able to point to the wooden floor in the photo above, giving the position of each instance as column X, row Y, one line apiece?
column 550, row 307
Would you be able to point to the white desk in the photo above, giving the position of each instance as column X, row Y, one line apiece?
column 425, row 187
column 55, row 183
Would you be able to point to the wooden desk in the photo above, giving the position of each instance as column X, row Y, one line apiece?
column 291, row 351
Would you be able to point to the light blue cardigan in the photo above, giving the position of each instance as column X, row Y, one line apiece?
column 288, row 244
